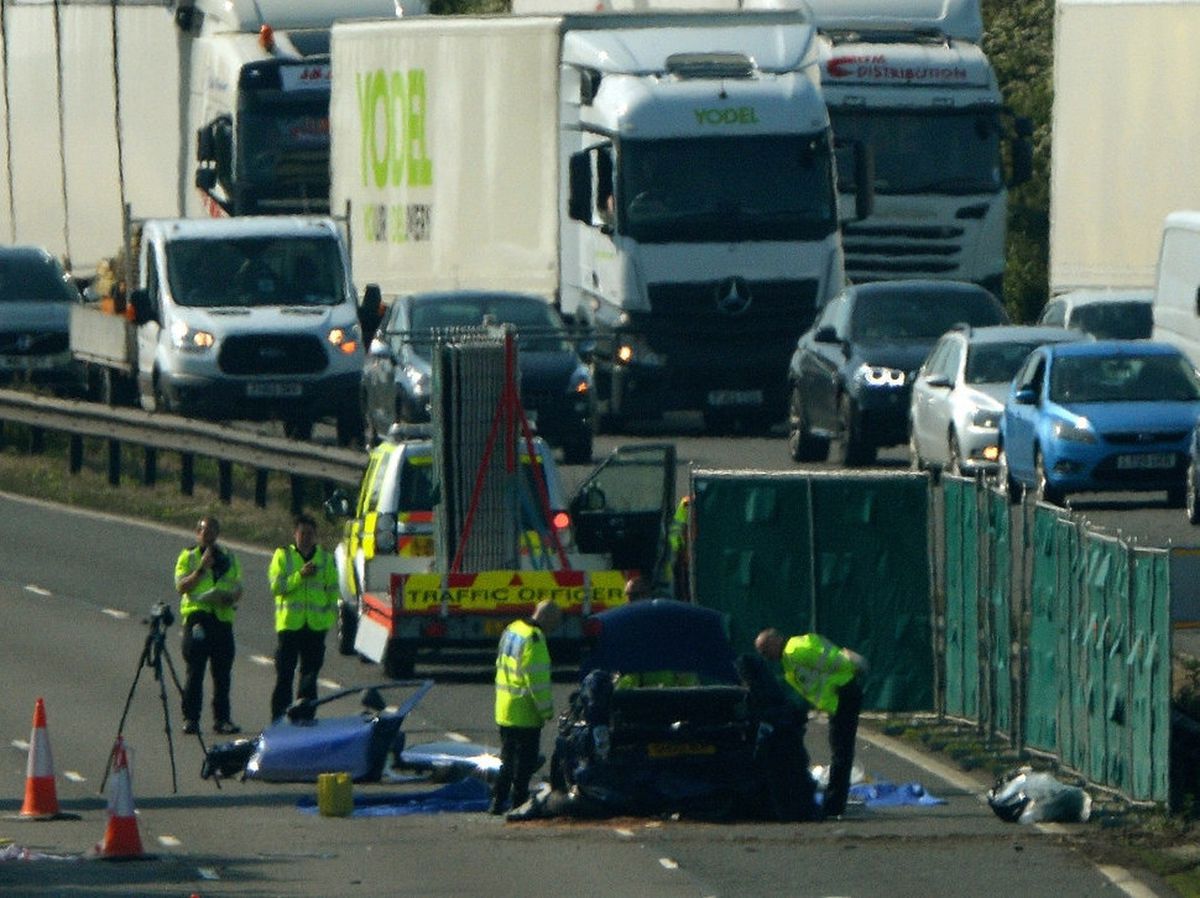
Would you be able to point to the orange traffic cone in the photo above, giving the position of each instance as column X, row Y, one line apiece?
column 41, row 799
column 121, row 839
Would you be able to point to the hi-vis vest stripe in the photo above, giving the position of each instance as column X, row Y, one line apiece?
column 817, row 669
column 523, row 691
column 189, row 560
column 508, row 591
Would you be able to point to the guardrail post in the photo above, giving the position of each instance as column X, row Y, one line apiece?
column 37, row 441
column 297, row 494
column 76, row 453
column 150, row 468
column 114, row 462
column 225, row 481
column 187, row 473
column 260, row 488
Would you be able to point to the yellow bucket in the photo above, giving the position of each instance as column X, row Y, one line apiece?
column 335, row 794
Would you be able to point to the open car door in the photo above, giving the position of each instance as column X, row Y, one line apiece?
column 625, row 506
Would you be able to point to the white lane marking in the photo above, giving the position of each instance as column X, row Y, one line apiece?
column 37, row 590
column 74, row 776
column 668, row 863
column 457, row 737
column 169, row 841
column 1118, row 876
column 330, row 684
column 115, row 612
column 208, row 873
column 20, row 745
column 263, row 660
column 624, row 833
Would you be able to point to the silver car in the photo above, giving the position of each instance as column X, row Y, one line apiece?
column 958, row 395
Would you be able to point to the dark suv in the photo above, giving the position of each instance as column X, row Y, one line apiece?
column 851, row 375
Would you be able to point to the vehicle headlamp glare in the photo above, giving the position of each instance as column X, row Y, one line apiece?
column 880, row 376
column 1074, row 433
column 185, row 339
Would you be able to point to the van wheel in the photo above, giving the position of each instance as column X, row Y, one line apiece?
column 399, row 659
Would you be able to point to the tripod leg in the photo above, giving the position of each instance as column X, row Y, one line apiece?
column 162, row 695
column 143, row 660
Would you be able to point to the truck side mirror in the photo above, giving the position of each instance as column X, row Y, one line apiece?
column 143, row 309
column 206, row 179
column 206, row 149
column 864, row 180
column 579, row 202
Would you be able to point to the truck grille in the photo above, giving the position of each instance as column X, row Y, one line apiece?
column 735, row 344
column 873, row 253
column 272, row 354
column 32, row 343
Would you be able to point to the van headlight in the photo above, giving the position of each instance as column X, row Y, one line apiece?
column 188, row 339
column 344, row 339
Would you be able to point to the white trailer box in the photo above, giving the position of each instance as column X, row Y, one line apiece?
column 1126, row 137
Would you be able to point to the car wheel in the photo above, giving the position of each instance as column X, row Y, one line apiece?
column 850, row 450
column 954, row 456
column 802, row 445
column 399, row 659
column 915, row 461
column 578, row 450
column 1005, row 482
column 1045, row 492
column 1192, row 500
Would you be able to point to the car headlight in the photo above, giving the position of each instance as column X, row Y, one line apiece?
column 345, row 339
column 187, row 339
column 1074, row 433
column 984, row 417
column 634, row 349
column 418, row 380
column 880, row 376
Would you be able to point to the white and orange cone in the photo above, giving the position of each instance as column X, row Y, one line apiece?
column 121, row 839
column 41, row 798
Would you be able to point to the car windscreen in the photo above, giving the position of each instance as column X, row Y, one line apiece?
column 255, row 271
column 994, row 363
column 917, row 315
column 539, row 329
column 1124, row 378
column 1115, row 320
column 33, row 279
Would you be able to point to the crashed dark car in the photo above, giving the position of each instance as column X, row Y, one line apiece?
column 731, row 745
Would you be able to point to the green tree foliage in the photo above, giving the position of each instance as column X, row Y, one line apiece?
column 1018, row 38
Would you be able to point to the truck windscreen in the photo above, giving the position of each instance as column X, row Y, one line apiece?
column 283, row 152
column 951, row 153
column 255, row 271
column 723, row 189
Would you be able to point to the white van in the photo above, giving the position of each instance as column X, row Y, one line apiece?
column 1177, row 293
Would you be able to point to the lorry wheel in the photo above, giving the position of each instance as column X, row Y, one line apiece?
column 350, row 431
column 347, row 629
column 399, row 659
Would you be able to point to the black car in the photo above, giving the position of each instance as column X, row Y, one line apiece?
column 556, row 387
column 850, row 377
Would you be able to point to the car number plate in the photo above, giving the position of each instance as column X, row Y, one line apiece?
column 1149, row 460
column 723, row 398
column 679, row 749
column 274, row 390
column 494, row 627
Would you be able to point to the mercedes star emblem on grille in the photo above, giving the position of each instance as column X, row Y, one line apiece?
column 733, row 297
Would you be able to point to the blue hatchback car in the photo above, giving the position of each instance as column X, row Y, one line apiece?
column 1092, row 417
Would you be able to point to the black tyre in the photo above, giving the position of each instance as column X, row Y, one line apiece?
column 399, row 659
column 953, row 456
column 849, row 449
column 802, row 445
column 1045, row 492
column 915, row 461
column 350, row 429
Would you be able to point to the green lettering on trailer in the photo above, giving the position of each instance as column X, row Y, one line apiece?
column 392, row 109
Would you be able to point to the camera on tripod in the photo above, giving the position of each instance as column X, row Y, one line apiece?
column 161, row 616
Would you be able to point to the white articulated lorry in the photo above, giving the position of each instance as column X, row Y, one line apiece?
column 667, row 179
column 169, row 107
column 910, row 80
column 1126, row 133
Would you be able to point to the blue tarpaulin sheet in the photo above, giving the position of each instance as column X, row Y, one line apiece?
column 469, row 794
